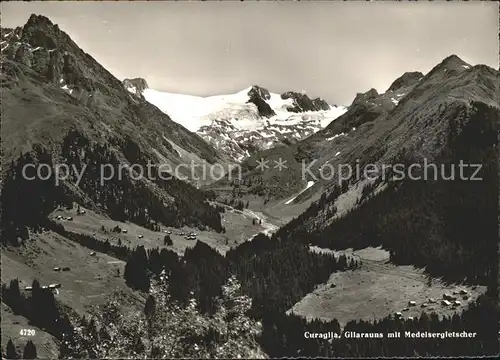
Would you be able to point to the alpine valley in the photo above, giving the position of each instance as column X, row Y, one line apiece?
column 279, row 262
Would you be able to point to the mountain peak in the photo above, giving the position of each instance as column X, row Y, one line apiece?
column 38, row 21
column 407, row 79
column 453, row 63
column 450, row 65
column 453, row 60
column 259, row 91
column 258, row 96
column 40, row 31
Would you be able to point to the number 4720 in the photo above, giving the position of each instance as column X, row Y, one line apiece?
column 27, row 332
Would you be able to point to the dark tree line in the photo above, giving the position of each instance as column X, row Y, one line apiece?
column 118, row 251
column 26, row 203
column 40, row 308
column 277, row 274
column 137, row 270
column 29, row 351
column 202, row 271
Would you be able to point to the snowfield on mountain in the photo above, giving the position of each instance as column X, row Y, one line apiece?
column 234, row 124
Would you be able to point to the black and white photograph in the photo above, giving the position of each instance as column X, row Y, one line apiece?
column 249, row 179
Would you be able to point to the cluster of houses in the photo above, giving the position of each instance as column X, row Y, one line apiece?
column 448, row 300
column 45, row 287
column 69, row 218
column 65, row 268
column 190, row 236
column 452, row 299
column 59, row 217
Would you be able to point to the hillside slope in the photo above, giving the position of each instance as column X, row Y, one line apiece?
column 59, row 106
column 434, row 219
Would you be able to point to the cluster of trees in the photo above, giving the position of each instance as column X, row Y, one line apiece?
column 26, row 203
column 256, row 221
column 137, row 270
column 29, row 351
column 169, row 330
column 201, row 271
column 277, row 274
column 40, row 308
column 167, row 241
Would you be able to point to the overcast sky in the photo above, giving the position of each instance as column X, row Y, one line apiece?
column 329, row 49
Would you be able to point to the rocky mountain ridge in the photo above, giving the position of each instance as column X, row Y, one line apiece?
column 251, row 120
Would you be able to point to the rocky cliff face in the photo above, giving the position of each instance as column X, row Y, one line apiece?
column 258, row 97
column 302, row 102
column 136, row 85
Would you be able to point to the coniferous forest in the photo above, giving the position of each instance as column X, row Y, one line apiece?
column 277, row 274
